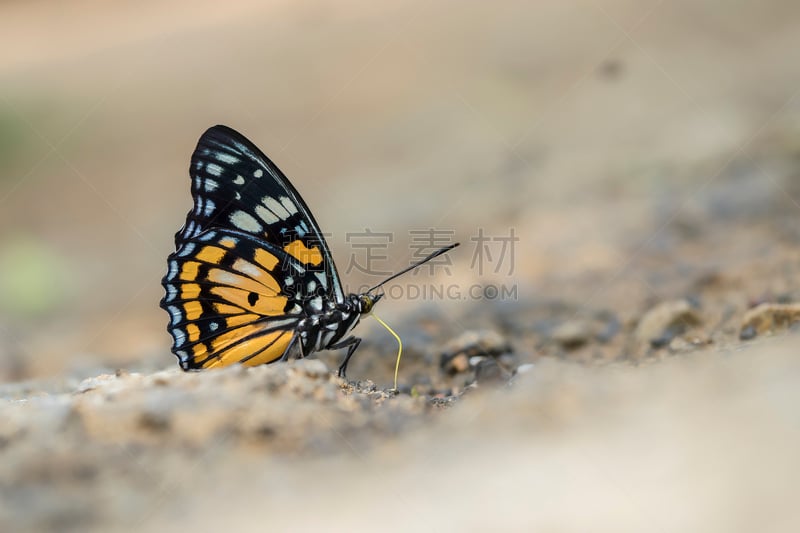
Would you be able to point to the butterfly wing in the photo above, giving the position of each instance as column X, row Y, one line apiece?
column 248, row 258
column 233, row 298
column 236, row 186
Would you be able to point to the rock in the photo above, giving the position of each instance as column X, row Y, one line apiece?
column 507, row 360
column 610, row 327
column 457, row 353
column 666, row 321
column 95, row 382
column 366, row 386
column 455, row 365
column 769, row 318
column 679, row 344
column 573, row 334
column 488, row 371
column 475, row 360
column 747, row 333
column 525, row 368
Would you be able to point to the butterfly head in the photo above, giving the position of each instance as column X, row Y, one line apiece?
column 363, row 303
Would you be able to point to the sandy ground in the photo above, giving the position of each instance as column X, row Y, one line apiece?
column 641, row 373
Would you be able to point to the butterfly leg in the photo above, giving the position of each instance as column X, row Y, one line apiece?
column 351, row 343
column 288, row 351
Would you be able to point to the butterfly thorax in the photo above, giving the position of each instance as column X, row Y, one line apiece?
column 328, row 323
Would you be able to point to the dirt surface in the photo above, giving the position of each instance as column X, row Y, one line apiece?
column 612, row 348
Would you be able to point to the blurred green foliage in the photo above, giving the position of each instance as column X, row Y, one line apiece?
column 14, row 140
column 33, row 278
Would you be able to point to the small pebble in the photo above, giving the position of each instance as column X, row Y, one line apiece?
column 455, row 365
column 526, row 368
column 366, row 385
column 96, row 382
column 573, row 334
column 666, row 321
column 484, row 343
column 610, row 327
column 769, row 318
column 488, row 371
column 475, row 360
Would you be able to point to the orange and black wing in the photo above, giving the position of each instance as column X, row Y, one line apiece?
column 234, row 299
column 247, row 261
column 235, row 186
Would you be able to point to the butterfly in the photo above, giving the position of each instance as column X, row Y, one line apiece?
column 252, row 280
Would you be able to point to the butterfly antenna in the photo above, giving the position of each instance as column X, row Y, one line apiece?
column 421, row 262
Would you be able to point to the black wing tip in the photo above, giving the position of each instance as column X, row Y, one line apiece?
column 221, row 128
column 225, row 136
column 221, row 131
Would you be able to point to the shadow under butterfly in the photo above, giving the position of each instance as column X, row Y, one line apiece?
column 252, row 280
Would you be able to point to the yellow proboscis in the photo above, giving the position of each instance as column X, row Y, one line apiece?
column 399, row 347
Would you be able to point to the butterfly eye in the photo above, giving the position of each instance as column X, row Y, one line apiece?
column 366, row 303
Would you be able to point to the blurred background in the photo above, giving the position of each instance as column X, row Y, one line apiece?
column 628, row 154
column 603, row 134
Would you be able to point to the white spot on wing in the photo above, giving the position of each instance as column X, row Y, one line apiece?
column 245, row 267
column 266, row 215
column 213, row 326
column 275, row 206
column 238, row 196
column 238, row 180
column 179, row 337
column 208, row 208
column 172, row 292
column 227, row 158
column 311, row 285
column 281, row 323
column 288, row 205
column 174, row 313
column 227, row 278
column 258, row 173
column 211, row 185
column 185, row 250
column 172, row 270
column 214, row 169
column 316, row 304
column 245, row 221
